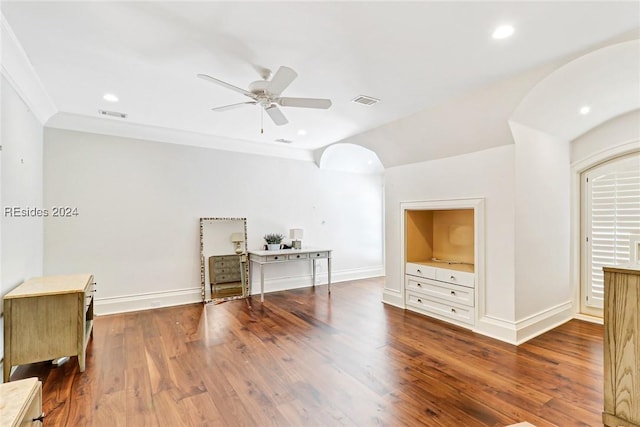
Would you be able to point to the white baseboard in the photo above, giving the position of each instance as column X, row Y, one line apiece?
column 304, row 281
column 499, row 329
column 523, row 330
column 543, row 321
column 137, row 302
column 587, row 318
column 393, row 298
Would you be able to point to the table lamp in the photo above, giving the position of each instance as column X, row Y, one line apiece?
column 237, row 238
column 296, row 234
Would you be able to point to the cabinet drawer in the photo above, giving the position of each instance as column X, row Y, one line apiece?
column 456, row 277
column 225, row 278
column 444, row 291
column 225, row 270
column 420, row 270
column 225, row 264
column 298, row 256
column 271, row 258
column 450, row 311
column 319, row 255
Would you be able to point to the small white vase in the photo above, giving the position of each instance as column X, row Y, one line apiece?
column 273, row 246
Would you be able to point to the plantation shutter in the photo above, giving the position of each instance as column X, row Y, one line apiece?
column 613, row 215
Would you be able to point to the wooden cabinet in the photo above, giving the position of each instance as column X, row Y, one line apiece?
column 622, row 346
column 47, row 318
column 21, row 403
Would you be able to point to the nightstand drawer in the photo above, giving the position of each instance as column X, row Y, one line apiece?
column 442, row 291
column 420, row 270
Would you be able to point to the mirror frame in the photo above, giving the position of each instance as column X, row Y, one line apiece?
column 244, row 263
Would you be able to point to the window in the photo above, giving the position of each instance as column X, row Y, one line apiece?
column 611, row 217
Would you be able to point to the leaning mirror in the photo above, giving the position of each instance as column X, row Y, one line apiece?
column 223, row 258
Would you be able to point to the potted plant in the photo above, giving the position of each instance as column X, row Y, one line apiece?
column 273, row 241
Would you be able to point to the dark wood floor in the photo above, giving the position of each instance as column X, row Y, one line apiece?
column 304, row 359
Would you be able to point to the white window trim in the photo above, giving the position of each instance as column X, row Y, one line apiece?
column 577, row 168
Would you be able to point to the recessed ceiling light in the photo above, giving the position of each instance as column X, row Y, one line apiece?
column 502, row 32
column 585, row 109
column 110, row 97
column 302, row 132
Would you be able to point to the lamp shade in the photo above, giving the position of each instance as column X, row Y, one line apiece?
column 296, row 233
column 237, row 237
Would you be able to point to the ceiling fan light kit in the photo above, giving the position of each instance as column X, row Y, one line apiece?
column 266, row 93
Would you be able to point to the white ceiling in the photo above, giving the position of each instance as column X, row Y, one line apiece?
column 411, row 55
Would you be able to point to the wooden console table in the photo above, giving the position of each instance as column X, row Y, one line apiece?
column 46, row 318
column 287, row 255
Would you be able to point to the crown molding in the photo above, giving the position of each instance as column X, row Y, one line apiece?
column 117, row 127
column 17, row 69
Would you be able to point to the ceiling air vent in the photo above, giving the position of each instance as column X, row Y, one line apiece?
column 365, row 100
column 113, row 114
column 284, row 141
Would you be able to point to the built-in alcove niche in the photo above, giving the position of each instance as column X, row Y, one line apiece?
column 443, row 259
column 440, row 238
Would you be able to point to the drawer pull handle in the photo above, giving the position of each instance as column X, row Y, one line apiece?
column 275, row 257
column 297, row 256
column 419, row 285
column 452, row 277
column 419, row 300
column 453, row 310
column 453, row 292
column 40, row 418
column 419, row 272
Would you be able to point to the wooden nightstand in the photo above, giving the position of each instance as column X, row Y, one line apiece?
column 46, row 318
column 21, row 403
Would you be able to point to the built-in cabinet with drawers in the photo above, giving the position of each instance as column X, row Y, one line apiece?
column 440, row 253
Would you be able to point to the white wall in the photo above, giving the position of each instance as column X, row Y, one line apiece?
column 619, row 130
column 21, row 185
column 489, row 174
column 542, row 223
column 139, row 204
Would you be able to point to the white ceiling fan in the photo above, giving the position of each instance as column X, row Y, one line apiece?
column 266, row 93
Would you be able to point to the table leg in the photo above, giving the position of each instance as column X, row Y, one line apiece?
column 261, row 283
column 329, row 274
column 313, row 277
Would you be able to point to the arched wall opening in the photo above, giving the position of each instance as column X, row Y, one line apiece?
column 544, row 127
column 350, row 158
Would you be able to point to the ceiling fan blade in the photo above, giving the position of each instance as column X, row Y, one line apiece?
column 283, row 78
column 304, row 102
column 232, row 106
column 227, row 85
column 276, row 115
